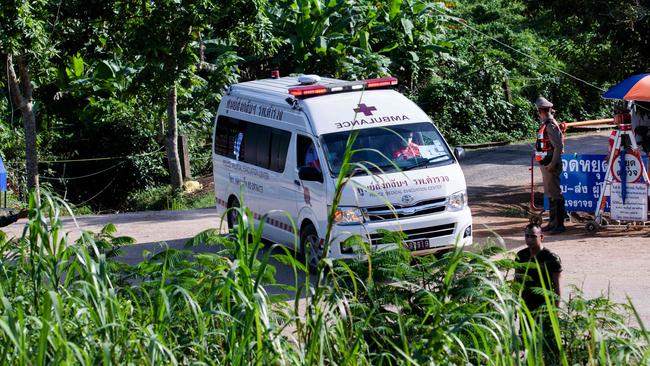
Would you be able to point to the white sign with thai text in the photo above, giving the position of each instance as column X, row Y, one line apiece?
column 635, row 207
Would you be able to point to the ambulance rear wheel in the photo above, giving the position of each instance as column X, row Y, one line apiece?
column 233, row 213
column 592, row 227
column 310, row 247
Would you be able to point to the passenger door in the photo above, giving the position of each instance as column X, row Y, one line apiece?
column 309, row 196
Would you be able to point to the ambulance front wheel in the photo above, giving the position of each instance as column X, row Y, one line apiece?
column 310, row 247
column 592, row 227
column 233, row 214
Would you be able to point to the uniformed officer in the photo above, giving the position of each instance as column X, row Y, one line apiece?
column 549, row 148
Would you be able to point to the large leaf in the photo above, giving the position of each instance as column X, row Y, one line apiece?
column 77, row 64
column 407, row 25
column 364, row 37
column 321, row 45
column 388, row 48
column 395, row 6
column 104, row 71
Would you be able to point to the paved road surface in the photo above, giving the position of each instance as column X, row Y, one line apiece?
column 508, row 165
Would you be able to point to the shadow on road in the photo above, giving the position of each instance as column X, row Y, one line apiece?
column 285, row 276
column 148, row 217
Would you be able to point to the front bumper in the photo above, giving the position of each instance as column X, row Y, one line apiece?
column 441, row 230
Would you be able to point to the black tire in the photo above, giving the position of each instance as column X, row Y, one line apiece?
column 232, row 215
column 310, row 247
column 591, row 227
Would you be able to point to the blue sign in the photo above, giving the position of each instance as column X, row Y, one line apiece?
column 3, row 177
column 581, row 181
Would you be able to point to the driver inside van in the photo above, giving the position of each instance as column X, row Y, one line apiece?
column 311, row 157
column 405, row 148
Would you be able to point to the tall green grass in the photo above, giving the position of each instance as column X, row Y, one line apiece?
column 64, row 302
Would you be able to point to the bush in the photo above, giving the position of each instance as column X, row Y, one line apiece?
column 166, row 198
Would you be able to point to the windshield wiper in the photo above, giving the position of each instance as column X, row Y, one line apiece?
column 422, row 162
column 373, row 168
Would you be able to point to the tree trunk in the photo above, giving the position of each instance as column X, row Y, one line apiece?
column 506, row 89
column 171, row 142
column 23, row 100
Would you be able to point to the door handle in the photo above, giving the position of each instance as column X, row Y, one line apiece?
column 297, row 182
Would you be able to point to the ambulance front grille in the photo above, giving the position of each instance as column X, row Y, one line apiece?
column 382, row 213
column 421, row 233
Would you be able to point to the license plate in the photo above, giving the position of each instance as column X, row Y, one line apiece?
column 417, row 244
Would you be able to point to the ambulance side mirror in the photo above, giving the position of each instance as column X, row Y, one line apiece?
column 459, row 153
column 310, row 174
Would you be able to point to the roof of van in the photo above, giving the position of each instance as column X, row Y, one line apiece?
column 279, row 87
column 361, row 109
column 339, row 111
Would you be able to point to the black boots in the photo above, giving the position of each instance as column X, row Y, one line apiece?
column 556, row 215
column 551, row 216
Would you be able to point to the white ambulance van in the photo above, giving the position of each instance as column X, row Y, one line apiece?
column 278, row 145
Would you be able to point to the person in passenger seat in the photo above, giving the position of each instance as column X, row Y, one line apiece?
column 406, row 149
column 311, row 157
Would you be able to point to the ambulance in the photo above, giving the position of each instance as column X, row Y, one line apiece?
column 278, row 149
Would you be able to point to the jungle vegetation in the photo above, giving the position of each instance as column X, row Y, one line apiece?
column 122, row 79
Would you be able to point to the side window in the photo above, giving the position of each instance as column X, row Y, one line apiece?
column 279, row 148
column 255, row 144
column 257, row 141
column 306, row 153
column 229, row 137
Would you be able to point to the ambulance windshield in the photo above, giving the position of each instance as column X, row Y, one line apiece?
column 383, row 149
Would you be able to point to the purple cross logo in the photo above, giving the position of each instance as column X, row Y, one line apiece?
column 365, row 109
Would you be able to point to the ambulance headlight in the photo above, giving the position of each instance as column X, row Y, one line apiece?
column 457, row 201
column 348, row 216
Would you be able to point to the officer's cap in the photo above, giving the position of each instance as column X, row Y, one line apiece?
column 542, row 103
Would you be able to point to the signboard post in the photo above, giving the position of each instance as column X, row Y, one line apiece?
column 628, row 196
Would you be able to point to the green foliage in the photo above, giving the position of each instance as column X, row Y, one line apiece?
column 102, row 70
column 25, row 31
column 473, row 108
column 155, row 198
column 359, row 40
column 604, row 41
column 166, row 198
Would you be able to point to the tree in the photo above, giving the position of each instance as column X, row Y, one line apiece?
column 167, row 35
column 24, row 33
column 602, row 42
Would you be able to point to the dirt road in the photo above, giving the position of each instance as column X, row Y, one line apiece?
column 613, row 262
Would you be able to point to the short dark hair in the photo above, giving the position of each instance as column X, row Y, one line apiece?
column 532, row 226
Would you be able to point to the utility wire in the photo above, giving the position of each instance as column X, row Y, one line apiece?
column 104, row 158
column 83, row 176
column 98, row 193
column 466, row 24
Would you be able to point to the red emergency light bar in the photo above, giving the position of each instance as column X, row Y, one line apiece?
column 312, row 90
column 381, row 82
